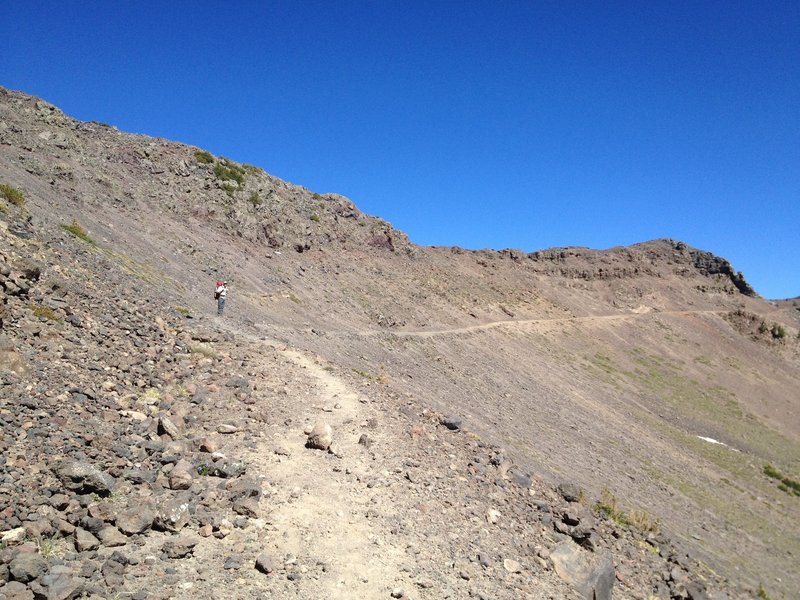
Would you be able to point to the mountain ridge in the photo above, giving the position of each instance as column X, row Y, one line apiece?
column 607, row 367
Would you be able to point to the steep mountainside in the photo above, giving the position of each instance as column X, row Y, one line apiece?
column 653, row 377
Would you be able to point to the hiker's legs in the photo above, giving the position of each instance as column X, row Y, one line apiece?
column 220, row 305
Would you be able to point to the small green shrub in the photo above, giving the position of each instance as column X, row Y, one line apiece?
column 227, row 170
column 778, row 331
column 255, row 199
column 229, row 188
column 43, row 312
column 637, row 519
column 203, row 157
column 642, row 521
column 12, row 195
column 151, row 396
column 316, row 196
column 315, row 217
column 787, row 484
column 763, row 328
column 79, row 232
column 762, row 593
column 203, row 350
column 609, row 507
column 52, row 547
column 252, row 169
column 183, row 311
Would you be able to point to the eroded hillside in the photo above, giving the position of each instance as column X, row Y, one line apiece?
column 652, row 376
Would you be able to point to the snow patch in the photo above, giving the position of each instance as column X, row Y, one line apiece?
column 713, row 441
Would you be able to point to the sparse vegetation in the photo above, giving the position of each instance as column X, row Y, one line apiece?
column 381, row 378
column 151, row 396
column 778, row 331
column 203, row 350
column 44, row 312
column 183, row 311
column 12, row 195
column 316, row 196
column 204, row 469
column 203, row 157
column 642, row 521
column 228, row 171
column 787, row 484
column 115, row 497
column 255, row 199
column 252, row 169
column 52, row 547
column 762, row 593
column 636, row 519
column 229, row 188
column 79, row 232
column 609, row 507
column 315, row 217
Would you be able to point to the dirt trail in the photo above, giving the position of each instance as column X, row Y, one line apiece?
column 513, row 323
column 549, row 321
column 320, row 513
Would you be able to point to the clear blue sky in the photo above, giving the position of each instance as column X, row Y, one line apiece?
column 479, row 124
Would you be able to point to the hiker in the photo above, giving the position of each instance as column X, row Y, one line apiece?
column 219, row 293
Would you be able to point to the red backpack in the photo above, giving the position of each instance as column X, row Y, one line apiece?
column 216, row 293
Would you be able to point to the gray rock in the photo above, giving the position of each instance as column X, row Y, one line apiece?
column 111, row 537
column 174, row 514
column 14, row 590
column 27, row 566
column 591, row 574
column 179, row 547
column 84, row 478
column 320, row 437
column 181, row 477
column 114, row 572
column 697, row 591
column 246, row 488
column 571, row 492
column 521, row 479
column 168, row 427
column 264, row 563
column 247, row 507
column 238, row 381
column 60, row 583
column 452, row 423
column 135, row 521
column 226, row 469
column 85, row 541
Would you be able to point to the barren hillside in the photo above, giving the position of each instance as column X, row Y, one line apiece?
column 651, row 378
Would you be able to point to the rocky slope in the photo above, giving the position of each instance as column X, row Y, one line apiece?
column 152, row 450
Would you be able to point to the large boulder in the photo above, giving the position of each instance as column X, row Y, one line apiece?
column 84, row 478
column 591, row 574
